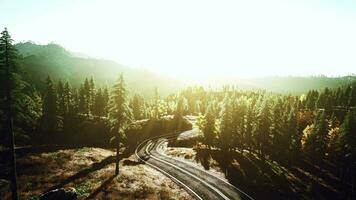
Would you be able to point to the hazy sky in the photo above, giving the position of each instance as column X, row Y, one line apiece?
column 194, row 39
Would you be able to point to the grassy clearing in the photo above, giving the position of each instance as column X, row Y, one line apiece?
column 90, row 172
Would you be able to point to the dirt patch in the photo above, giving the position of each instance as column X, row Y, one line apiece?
column 90, row 171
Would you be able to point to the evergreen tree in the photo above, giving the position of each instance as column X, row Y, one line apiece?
column 61, row 99
column 346, row 142
column 180, row 107
column 74, row 101
column 92, row 95
column 311, row 98
column 82, row 101
column 22, row 94
column 120, row 115
column 99, row 104
column 226, row 131
column 157, row 110
column 262, row 129
column 49, row 119
column 294, row 137
column 207, row 126
column 278, row 130
column 345, row 97
column 9, row 78
column 106, row 98
column 238, row 123
column 137, row 106
column 250, row 118
column 68, row 98
column 86, row 96
column 316, row 143
column 352, row 96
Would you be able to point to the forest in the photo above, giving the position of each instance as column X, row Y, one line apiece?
column 317, row 126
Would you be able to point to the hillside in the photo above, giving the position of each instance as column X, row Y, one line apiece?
column 39, row 61
column 52, row 59
column 298, row 85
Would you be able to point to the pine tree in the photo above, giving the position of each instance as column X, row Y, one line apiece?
column 49, row 119
column 87, row 96
column 345, row 97
column 238, row 123
column 180, row 107
column 68, row 98
column 262, row 130
column 120, row 115
column 316, row 143
column 352, row 96
column 346, row 142
column 278, row 130
column 61, row 99
column 157, row 110
column 92, row 96
column 206, row 124
column 226, row 131
column 99, row 105
column 311, row 98
column 137, row 106
column 294, row 137
column 250, row 118
column 11, row 81
column 82, row 101
column 106, row 98
column 74, row 101
column 22, row 94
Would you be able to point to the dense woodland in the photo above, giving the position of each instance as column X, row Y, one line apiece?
column 319, row 125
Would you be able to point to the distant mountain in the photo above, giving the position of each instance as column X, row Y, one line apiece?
column 298, row 85
column 288, row 84
column 42, row 60
column 52, row 59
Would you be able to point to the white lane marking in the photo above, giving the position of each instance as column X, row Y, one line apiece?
column 192, row 175
column 166, row 173
column 164, row 155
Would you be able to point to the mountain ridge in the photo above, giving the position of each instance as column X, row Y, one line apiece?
column 54, row 60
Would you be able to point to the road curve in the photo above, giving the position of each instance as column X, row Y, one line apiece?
column 199, row 183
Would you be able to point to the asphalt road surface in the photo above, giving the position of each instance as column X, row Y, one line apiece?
column 199, row 183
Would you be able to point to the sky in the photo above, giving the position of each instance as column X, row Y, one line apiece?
column 195, row 39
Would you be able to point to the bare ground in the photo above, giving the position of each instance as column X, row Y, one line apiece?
column 90, row 171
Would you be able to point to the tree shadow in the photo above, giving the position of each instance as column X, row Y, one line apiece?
column 250, row 174
column 305, row 169
column 203, row 158
column 263, row 177
column 128, row 162
column 84, row 172
column 104, row 185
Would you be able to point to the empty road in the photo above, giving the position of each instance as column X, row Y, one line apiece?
column 199, row 183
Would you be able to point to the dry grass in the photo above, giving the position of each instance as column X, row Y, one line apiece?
column 79, row 169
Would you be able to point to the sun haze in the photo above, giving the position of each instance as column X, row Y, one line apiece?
column 197, row 39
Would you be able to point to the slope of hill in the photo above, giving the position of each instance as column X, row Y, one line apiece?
column 42, row 60
column 298, row 85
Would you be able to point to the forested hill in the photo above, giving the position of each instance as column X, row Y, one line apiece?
column 52, row 59
column 299, row 85
column 39, row 61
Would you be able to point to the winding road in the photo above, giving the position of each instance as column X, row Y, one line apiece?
column 199, row 183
